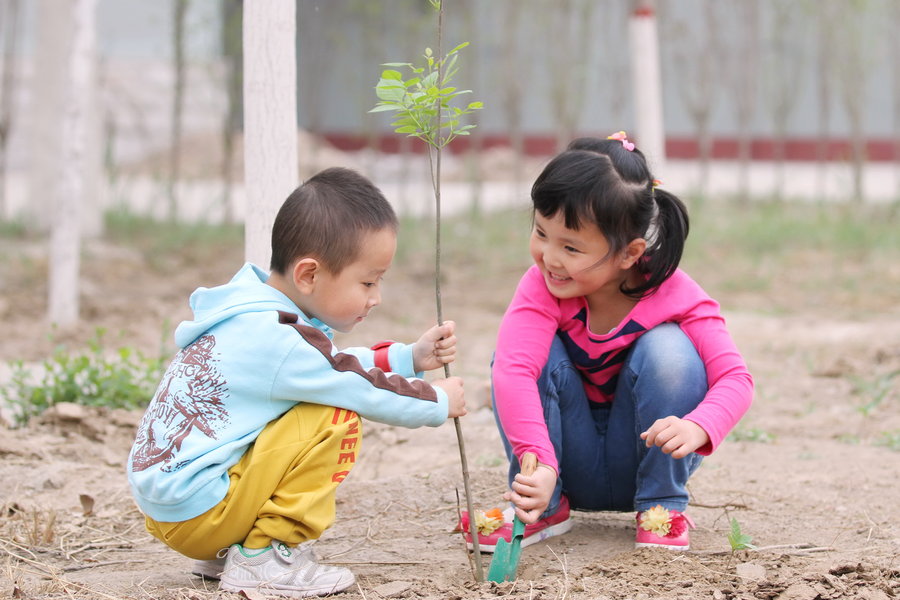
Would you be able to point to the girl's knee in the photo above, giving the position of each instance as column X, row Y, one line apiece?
column 666, row 351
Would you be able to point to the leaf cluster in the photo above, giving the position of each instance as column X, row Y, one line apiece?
column 738, row 540
column 125, row 379
column 423, row 102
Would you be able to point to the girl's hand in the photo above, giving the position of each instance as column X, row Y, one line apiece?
column 435, row 348
column 531, row 493
column 675, row 436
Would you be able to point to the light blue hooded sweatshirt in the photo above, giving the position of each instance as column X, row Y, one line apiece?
column 249, row 356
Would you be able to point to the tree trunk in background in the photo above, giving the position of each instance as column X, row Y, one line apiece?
column 232, row 18
column 828, row 34
column 9, row 21
column 697, row 49
column 65, row 243
column 785, row 71
column 894, row 53
column 472, row 158
column 568, row 60
column 52, row 45
column 514, row 73
column 46, row 112
column 646, row 81
column 852, row 74
column 270, row 119
column 178, row 22
column 744, row 72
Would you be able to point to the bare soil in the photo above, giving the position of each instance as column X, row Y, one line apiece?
column 812, row 474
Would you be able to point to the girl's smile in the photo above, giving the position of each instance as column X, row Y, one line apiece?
column 573, row 262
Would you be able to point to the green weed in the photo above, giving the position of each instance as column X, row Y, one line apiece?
column 848, row 438
column 127, row 379
column 890, row 440
column 873, row 391
column 12, row 229
column 751, row 434
column 737, row 539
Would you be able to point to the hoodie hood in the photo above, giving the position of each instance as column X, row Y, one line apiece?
column 246, row 292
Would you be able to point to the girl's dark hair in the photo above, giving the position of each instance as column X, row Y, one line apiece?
column 600, row 181
column 326, row 218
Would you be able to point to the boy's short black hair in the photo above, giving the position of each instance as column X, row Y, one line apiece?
column 326, row 217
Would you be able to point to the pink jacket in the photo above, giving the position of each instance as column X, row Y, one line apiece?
column 533, row 318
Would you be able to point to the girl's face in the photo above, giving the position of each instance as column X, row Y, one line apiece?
column 576, row 263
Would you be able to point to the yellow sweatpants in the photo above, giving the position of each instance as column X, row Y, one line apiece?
column 282, row 489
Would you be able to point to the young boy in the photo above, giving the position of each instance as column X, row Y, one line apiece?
column 256, row 420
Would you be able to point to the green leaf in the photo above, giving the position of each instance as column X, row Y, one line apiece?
column 407, row 129
column 396, row 65
column 458, row 48
column 737, row 539
column 383, row 107
column 392, row 75
column 390, row 92
column 475, row 105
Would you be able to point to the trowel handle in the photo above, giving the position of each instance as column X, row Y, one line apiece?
column 528, row 463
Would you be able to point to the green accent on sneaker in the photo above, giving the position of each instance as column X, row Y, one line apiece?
column 252, row 552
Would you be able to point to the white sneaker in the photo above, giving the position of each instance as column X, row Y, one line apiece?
column 208, row 569
column 283, row 571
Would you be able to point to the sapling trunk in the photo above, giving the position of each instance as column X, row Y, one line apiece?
column 464, row 463
column 420, row 103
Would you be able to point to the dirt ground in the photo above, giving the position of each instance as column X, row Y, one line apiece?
column 809, row 475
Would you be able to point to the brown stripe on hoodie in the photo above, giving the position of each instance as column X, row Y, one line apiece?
column 397, row 384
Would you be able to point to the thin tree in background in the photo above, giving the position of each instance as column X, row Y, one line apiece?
column 9, row 21
column 514, row 65
column 851, row 65
column 828, row 32
column 424, row 111
column 471, row 160
column 783, row 68
column 569, row 56
column 52, row 50
column 698, row 54
column 232, row 23
column 744, row 80
column 179, row 16
column 893, row 57
column 69, row 196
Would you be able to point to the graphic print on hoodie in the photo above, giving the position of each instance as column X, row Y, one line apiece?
column 195, row 402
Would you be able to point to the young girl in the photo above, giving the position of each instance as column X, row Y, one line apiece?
column 612, row 365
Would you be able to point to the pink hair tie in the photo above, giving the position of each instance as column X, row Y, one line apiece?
column 620, row 136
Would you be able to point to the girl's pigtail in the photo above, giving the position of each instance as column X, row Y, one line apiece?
column 666, row 245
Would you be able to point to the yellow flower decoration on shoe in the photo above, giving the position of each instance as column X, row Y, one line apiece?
column 656, row 520
column 488, row 522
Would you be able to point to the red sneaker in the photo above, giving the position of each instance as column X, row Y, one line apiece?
column 556, row 524
column 662, row 528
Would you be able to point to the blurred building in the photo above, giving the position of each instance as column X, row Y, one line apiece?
column 760, row 79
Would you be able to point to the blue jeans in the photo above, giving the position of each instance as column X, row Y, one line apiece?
column 603, row 463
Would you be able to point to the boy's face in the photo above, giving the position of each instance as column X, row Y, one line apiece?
column 342, row 300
